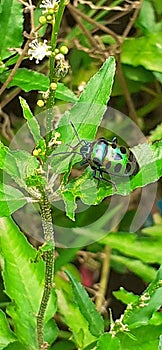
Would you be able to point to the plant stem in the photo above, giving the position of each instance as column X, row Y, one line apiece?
column 49, row 267
column 154, row 103
column 104, row 278
column 51, row 99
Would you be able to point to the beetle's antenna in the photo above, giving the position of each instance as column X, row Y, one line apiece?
column 68, row 153
column 75, row 131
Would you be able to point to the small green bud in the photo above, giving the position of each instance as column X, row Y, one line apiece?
column 64, row 50
column 56, row 7
column 50, row 11
column 40, row 103
column 35, row 153
column 42, row 20
column 49, row 18
column 53, row 86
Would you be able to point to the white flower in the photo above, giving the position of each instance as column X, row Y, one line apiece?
column 38, row 50
column 59, row 57
column 49, row 4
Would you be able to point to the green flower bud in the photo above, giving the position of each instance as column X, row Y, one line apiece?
column 64, row 50
column 42, row 20
column 40, row 103
column 51, row 11
column 53, row 86
column 49, row 18
column 56, row 7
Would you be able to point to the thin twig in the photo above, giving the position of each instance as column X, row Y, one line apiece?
column 32, row 15
column 20, row 59
column 125, row 8
column 129, row 101
column 92, row 52
column 9, row 97
column 94, row 23
column 83, row 28
column 132, row 20
column 154, row 103
column 116, row 17
column 100, row 295
column 6, row 126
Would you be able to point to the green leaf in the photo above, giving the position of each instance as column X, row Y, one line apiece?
column 37, row 14
column 133, row 86
column 146, row 249
column 70, row 203
column 26, row 163
column 70, row 313
column 106, row 342
column 137, row 74
column 156, row 319
column 145, row 51
column 65, row 94
column 150, row 161
column 99, row 94
column 31, row 120
column 12, row 60
column 146, row 18
column 63, row 344
column 146, row 338
column 17, row 164
column 153, row 231
column 156, row 134
column 160, row 343
column 158, row 76
column 125, row 296
column 149, row 302
column 29, row 80
column 6, row 336
column 85, row 188
column 145, row 272
column 158, row 6
column 8, row 162
column 87, row 308
column 23, row 281
column 51, row 331
column 11, row 199
column 65, row 256
column 11, row 19
column 16, row 346
column 86, row 115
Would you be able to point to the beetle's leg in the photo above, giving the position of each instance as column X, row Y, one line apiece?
column 77, row 145
column 96, row 177
column 84, row 162
column 100, row 177
column 110, row 181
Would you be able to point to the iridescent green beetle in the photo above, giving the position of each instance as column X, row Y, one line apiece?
column 106, row 157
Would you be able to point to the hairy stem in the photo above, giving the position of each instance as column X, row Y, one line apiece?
column 49, row 267
column 51, row 99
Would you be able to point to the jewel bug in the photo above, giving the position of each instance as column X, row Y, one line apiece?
column 105, row 157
